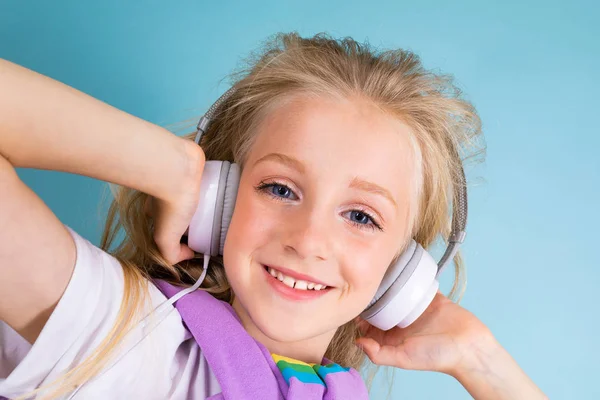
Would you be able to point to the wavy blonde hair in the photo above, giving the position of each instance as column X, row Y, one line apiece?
column 446, row 128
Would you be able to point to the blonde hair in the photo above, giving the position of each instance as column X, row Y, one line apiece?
column 446, row 128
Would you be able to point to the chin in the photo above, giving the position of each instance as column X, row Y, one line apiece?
column 281, row 326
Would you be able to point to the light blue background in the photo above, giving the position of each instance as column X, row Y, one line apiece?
column 531, row 68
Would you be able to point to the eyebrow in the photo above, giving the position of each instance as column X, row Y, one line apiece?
column 283, row 159
column 373, row 188
column 356, row 183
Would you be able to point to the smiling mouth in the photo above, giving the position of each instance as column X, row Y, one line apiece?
column 293, row 283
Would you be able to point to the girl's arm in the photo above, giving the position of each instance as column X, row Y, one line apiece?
column 493, row 374
column 47, row 125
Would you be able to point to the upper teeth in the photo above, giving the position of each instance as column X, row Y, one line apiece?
column 293, row 283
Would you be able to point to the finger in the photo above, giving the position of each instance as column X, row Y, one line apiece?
column 173, row 251
column 185, row 253
column 373, row 332
column 393, row 356
column 179, row 253
column 362, row 325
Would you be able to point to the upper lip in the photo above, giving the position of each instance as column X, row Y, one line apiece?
column 296, row 275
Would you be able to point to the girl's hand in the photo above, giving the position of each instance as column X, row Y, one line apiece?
column 172, row 215
column 446, row 338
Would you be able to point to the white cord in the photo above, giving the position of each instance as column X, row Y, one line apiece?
column 157, row 312
column 191, row 288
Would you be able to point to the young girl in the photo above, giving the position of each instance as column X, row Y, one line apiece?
column 345, row 155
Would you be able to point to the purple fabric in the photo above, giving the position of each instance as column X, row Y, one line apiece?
column 243, row 367
column 230, row 352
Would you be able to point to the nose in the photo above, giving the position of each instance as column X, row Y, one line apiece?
column 306, row 234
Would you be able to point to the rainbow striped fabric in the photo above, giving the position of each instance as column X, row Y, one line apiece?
column 304, row 372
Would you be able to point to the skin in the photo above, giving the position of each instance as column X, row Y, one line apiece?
column 305, row 223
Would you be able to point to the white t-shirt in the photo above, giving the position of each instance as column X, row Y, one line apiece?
column 166, row 364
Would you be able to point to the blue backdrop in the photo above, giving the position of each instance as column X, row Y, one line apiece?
column 530, row 67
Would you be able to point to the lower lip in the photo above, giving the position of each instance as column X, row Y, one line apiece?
column 291, row 293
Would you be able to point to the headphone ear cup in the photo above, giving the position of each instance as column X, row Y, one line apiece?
column 231, row 189
column 406, row 291
column 200, row 231
column 210, row 222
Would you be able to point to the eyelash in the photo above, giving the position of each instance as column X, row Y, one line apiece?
column 262, row 186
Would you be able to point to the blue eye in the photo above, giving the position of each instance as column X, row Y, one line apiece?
column 280, row 190
column 361, row 217
column 277, row 190
column 361, row 220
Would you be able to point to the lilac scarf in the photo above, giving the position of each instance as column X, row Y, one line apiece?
column 243, row 367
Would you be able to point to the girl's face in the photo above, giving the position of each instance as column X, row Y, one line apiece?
column 324, row 200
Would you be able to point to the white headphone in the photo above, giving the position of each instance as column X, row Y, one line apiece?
column 407, row 288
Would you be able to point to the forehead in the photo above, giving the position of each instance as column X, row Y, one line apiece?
column 340, row 139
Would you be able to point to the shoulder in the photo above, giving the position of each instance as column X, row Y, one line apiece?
column 150, row 358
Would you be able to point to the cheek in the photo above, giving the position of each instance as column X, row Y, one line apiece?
column 366, row 269
column 373, row 276
column 249, row 229
column 254, row 221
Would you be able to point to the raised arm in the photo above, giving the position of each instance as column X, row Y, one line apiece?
column 47, row 125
